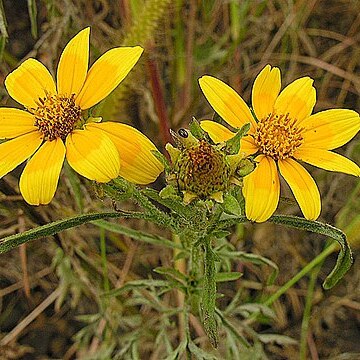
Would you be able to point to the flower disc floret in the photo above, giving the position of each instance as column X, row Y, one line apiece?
column 56, row 116
column 202, row 170
column 278, row 136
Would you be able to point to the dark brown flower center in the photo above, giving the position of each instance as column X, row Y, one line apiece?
column 202, row 169
column 278, row 136
column 56, row 116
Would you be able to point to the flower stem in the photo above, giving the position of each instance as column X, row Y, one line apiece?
column 311, row 265
column 104, row 260
column 307, row 312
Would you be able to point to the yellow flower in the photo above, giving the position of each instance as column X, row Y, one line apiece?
column 282, row 132
column 52, row 125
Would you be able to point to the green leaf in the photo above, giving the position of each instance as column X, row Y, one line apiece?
column 32, row 14
column 231, row 205
column 228, row 276
column 252, row 258
column 233, row 144
column 55, row 227
column 136, row 284
column 176, row 354
column 196, row 129
column 277, row 339
column 221, row 234
column 137, row 235
column 344, row 260
column 172, row 274
column 199, row 353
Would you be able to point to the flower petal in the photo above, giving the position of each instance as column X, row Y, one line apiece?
column 262, row 190
column 226, row 102
column 14, row 152
column 106, row 74
column 73, row 64
column 38, row 181
column 219, row 133
column 216, row 131
column 15, row 122
column 330, row 129
column 29, row 82
column 327, row 160
column 298, row 99
column 93, row 155
column 265, row 90
column 138, row 164
column 303, row 187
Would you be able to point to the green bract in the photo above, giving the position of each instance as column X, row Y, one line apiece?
column 203, row 170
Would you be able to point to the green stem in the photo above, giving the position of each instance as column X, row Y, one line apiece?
column 153, row 213
column 209, row 294
column 104, row 260
column 311, row 265
column 307, row 312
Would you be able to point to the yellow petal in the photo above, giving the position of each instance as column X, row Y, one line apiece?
column 38, row 181
column 226, row 102
column 93, row 155
column 138, row 164
column 330, row 129
column 327, row 160
column 216, row 131
column 266, row 89
column 303, row 187
column 15, row 122
column 298, row 99
column 219, row 133
column 262, row 190
column 14, row 152
column 106, row 74
column 73, row 64
column 29, row 82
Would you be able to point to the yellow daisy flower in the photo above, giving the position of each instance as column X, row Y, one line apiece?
column 283, row 131
column 52, row 128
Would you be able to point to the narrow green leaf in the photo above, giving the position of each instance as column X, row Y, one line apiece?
column 228, row 276
column 233, row 144
column 137, row 235
column 344, row 260
column 196, row 129
column 231, row 205
column 199, row 353
column 3, row 30
column 3, row 22
column 277, row 339
column 172, row 273
column 252, row 258
column 176, row 354
column 55, row 227
column 230, row 327
column 33, row 14
column 138, row 284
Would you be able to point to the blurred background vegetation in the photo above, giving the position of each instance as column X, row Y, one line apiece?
column 51, row 303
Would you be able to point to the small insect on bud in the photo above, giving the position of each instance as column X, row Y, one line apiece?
column 183, row 133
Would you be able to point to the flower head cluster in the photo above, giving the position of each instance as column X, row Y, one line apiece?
column 52, row 126
column 203, row 170
column 283, row 131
